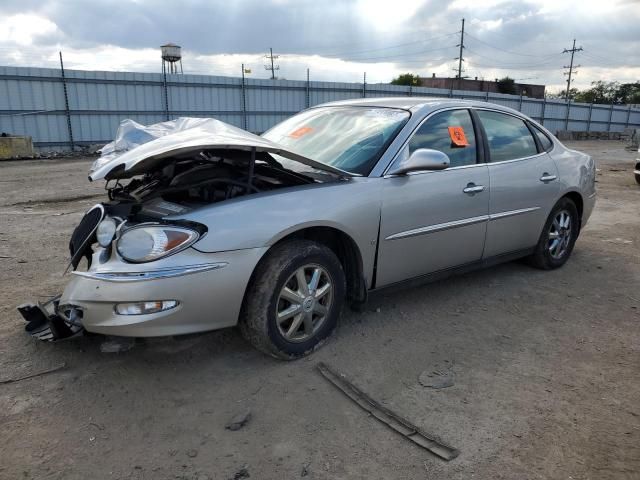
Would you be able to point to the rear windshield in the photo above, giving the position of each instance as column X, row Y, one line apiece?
column 348, row 138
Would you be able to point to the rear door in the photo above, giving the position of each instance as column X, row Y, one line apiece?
column 523, row 183
column 437, row 219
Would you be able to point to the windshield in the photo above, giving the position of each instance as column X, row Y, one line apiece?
column 348, row 138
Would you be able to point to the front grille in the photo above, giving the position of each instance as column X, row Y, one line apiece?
column 84, row 235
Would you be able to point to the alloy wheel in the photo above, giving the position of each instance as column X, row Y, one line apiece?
column 560, row 235
column 304, row 303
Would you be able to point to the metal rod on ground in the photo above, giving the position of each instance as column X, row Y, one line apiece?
column 244, row 102
column 66, row 103
column 389, row 418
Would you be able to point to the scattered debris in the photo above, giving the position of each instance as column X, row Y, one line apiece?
column 305, row 470
column 240, row 474
column 389, row 418
column 117, row 344
column 239, row 421
column 192, row 453
column 436, row 379
column 37, row 374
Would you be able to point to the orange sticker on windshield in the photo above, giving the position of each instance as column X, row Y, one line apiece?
column 457, row 137
column 300, row 132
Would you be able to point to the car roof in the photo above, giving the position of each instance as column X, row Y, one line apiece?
column 417, row 103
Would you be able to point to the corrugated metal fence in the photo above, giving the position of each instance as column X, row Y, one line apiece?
column 32, row 102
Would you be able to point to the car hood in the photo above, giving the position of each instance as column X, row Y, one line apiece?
column 138, row 148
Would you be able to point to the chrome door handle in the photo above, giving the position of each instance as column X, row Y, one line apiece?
column 547, row 178
column 472, row 189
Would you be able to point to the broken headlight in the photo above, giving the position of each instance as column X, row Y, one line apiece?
column 106, row 231
column 151, row 242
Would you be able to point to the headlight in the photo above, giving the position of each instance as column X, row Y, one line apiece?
column 148, row 243
column 105, row 231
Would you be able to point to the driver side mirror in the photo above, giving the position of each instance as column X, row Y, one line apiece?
column 421, row 159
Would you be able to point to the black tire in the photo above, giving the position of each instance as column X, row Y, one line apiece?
column 637, row 178
column 542, row 257
column 258, row 323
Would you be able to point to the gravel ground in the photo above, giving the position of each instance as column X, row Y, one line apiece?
column 546, row 367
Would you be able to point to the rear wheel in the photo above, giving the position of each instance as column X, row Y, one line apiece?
column 294, row 299
column 637, row 178
column 558, row 236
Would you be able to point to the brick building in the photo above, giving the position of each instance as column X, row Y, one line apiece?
column 475, row 85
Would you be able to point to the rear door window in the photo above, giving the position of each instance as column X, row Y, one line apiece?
column 545, row 142
column 508, row 136
column 450, row 132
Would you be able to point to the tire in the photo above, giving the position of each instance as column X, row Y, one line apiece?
column 315, row 312
column 546, row 256
column 637, row 178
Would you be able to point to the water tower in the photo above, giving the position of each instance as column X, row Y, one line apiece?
column 171, row 56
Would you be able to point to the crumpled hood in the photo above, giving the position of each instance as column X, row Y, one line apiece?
column 138, row 148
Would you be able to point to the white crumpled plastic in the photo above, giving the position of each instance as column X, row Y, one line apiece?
column 132, row 134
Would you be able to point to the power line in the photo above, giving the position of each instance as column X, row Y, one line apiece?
column 572, row 50
column 504, row 50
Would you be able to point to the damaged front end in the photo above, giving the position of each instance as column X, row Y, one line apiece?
column 186, row 165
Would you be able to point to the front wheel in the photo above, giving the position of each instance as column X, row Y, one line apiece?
column 294, row 299
column 558, row 236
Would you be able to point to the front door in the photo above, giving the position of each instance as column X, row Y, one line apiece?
column 435, row 220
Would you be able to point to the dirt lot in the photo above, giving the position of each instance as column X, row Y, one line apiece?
column 546, row 366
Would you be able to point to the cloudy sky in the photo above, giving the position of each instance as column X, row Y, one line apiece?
column 336, row 39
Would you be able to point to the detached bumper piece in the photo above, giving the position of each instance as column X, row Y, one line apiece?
column 44, row 322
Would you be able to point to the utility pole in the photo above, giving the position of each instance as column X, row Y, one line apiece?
column 571, row 66
column 460, row 59
column 66, row 103
column 272, row 67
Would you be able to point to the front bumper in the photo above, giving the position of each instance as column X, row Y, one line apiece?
column 209, row 289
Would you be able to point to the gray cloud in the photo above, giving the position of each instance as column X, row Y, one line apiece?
column 512, row 37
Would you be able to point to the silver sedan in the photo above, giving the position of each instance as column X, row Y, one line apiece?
column 208, row 226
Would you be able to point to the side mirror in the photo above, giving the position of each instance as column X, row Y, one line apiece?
column 421, row 159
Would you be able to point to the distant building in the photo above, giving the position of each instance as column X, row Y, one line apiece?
column 475, row 85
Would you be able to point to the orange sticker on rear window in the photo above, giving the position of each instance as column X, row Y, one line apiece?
column 300, row 132
column 457, row 137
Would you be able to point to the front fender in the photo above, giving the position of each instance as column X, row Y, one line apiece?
column 260, row 220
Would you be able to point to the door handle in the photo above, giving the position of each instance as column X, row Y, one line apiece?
column 547, row 178
column 472, row 189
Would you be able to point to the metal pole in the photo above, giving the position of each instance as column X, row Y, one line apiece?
column 164, row 88
column 610, row 117
column 364, row 85
column 460, row 57
column 66, row 104
column 308, row 89
column 410, row 90
column 589, row 118
column 566, row 120
column 544, row 107
column 244, row 102
column 520, row 104
column 628, row 117
column 273, row 72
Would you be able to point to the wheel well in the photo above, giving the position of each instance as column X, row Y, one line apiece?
column 347, row 252
column 577, row 199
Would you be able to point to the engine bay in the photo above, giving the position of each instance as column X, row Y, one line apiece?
column 205, row 178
